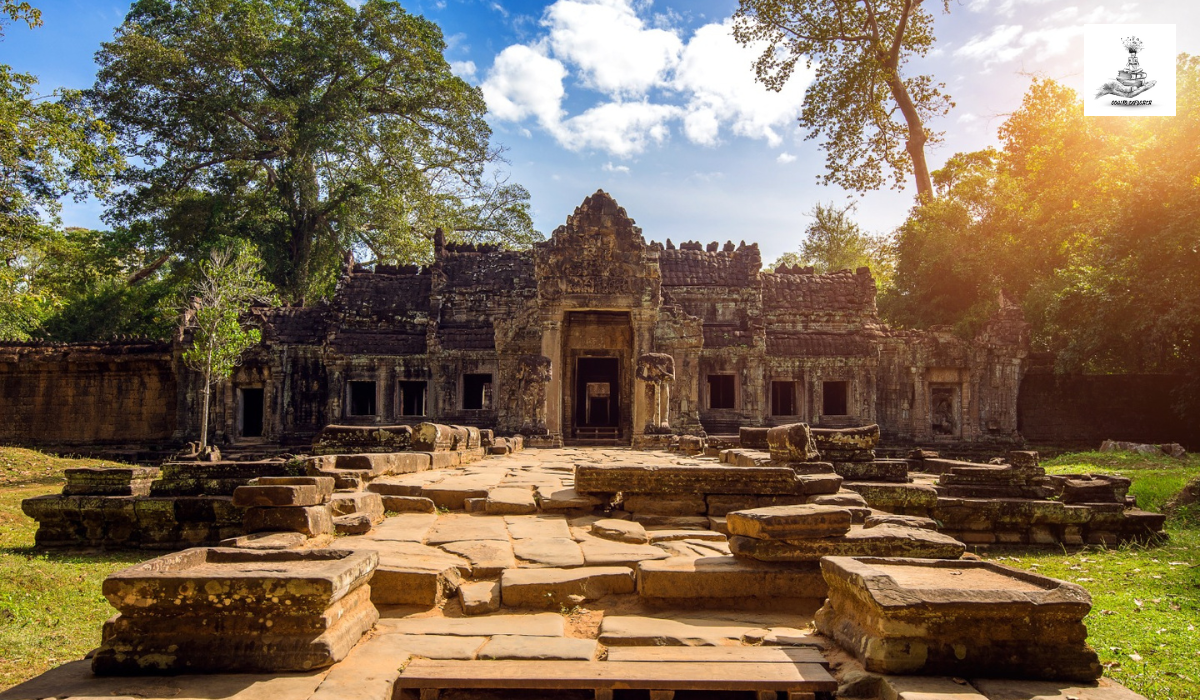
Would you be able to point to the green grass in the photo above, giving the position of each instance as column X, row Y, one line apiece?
column 1145, row 619
column 51, row 608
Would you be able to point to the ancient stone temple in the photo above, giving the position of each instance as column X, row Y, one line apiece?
column 594, row 336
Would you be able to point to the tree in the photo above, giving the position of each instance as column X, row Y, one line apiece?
column 229, row 285
column 834, row 241
column 310, row 127
column 860, row 47
column 51, row 146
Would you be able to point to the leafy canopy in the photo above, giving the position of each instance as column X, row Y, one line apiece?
column 872, row 117
column 834, row 241
column 51, row 146
column 309, row 127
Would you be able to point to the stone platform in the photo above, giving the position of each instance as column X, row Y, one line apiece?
column 471, row 577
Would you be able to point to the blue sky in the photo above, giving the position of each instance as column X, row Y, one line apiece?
column 653, row 102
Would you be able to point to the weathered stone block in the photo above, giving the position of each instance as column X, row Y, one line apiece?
column 789, row 522
column 753, row 438
column 366, row 502
column 880, row 541
column 684, row 479
column 791, row 443
column 896, row 497
column 886, row 470
column 407, row 504
column 335, row 439
column 277, row 496
column 310, row 520
column 680, row 579
column 352, row 524
column 924, row 617
column 552, row 587
column 109, row 481
column 434, row 437
column 842, row 439
column 510, row 500
column 235, row 610
column 690, row 504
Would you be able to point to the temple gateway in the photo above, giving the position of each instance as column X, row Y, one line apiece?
column 591, row 337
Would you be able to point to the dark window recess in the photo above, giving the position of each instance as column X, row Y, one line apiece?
column 412, row 398
column 252, row 412
column 721, row 391
column 834, row 398
column 783, row 399
column 362, row 398
column 477, row 391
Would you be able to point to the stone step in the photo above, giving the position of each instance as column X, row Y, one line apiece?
column 489, row 558
column 410, row 573
column 365, row 502
column 463, row 528
column 680, row 579
column 509, row 646
column 534, row 625
column 551, row 587
column 880, row 541
column 548, row 552
column 647, row 631
column 605, row 676
column 788, row 522
column 523, row 527
column 479, row 597
column 510, row 500
column 735, row 654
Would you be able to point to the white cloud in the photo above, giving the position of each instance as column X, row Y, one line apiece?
column 522, row 82
column 966, row 118
column 463, row 69
column 623, row 129
column 649, row 82
column 997, row 47
column 499, row 8
column 785, row 158
column 718, row 74
column 615, row 51
column 610, row 168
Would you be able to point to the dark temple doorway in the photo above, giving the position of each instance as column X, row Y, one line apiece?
column 252, row 412
column 597, row 396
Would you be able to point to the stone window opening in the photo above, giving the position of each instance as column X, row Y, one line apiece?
column 476, row 392
column 722, row 391
column 784, row 398
column 835, row 398
column 412, row 398
column 361, row 398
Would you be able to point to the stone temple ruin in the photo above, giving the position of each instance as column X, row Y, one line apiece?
column 592, row 337
column 733, row 547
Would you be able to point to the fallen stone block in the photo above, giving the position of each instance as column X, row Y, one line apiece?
column 309, row 520
column 681, row 479
column 362, row 438
column 479, row 597
column 789, row 522
column 452, row 491
column 435, row 437
column 752, row 438
column 365, row 502
column 560, row 499
column 352, row 524
column 721, row 504
column 921, row 617
column 407, row 504
column 620, row 531
column 671, row 522
column 879, row 541
column 599, row 552
column 680, row 579
column 510, row 500
column 862, row 438
column 488, row 558
column 791, row 443
column 877, row 519
column 413, row 574
column 554, row 587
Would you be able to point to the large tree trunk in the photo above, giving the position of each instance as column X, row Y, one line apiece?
column 915, row 145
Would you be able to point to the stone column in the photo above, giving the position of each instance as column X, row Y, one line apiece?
column 552, row 348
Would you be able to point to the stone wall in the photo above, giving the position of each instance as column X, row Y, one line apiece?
column 1083, row 410
column 87, row 394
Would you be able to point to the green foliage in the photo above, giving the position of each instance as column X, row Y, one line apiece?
column 308, row 127
column 860, row 48
column 834, row 241
column 1088, row 223
column 51, row 146
column 229, row 285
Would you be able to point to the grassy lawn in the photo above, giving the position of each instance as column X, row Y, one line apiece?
column 1145, row 619
column 50, row 603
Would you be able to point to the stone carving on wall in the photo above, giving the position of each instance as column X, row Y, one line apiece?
column 533, row 373
column 658, row 371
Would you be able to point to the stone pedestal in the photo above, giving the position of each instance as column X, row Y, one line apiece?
column 957, row 618
column 216, row 610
